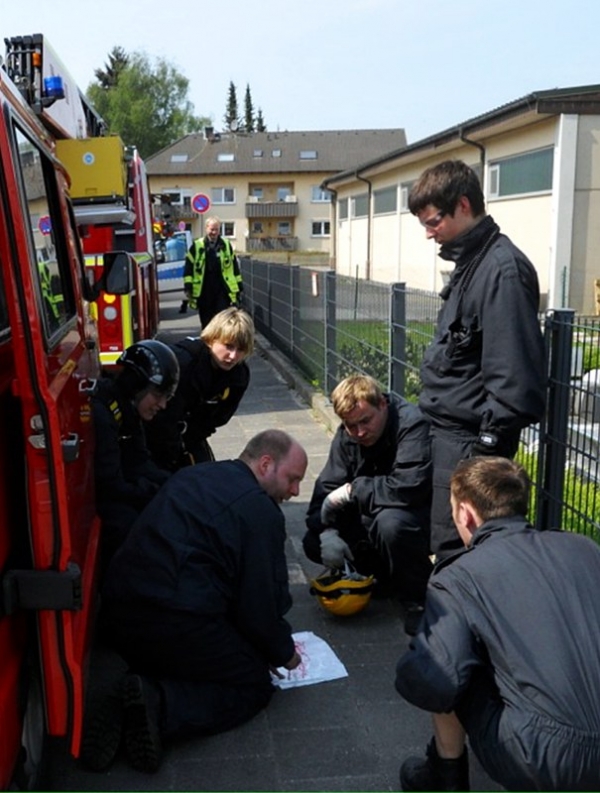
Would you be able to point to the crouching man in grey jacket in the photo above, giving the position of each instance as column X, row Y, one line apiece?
column 507, row 651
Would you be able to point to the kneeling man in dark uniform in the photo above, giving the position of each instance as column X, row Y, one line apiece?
column 372, row 499
column 194, row 601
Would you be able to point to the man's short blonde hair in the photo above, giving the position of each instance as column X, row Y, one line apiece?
column 231, row 326
column 212, row 219
column 353, row 389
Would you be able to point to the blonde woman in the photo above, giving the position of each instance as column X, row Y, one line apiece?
column 214, row 377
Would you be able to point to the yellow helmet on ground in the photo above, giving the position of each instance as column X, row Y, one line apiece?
column 342, row 592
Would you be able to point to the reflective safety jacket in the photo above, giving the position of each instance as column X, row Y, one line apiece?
column 195, row 269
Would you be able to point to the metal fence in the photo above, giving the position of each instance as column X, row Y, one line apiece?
column 330, row 326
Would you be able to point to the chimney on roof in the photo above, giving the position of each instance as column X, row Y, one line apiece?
column 209, row 133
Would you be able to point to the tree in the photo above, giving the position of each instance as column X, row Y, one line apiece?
column 260, row 122
column 231, row 118
column 147, row 103
column 248, row 111
column 117, row 61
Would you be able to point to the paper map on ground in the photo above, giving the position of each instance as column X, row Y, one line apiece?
column 319, row 663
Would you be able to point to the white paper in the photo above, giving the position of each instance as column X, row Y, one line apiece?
column 319, row 663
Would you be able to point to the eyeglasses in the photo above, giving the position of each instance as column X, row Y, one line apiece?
column 434, row 222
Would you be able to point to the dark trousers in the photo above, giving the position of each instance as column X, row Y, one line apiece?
column 209, row 677
column 393, row 545
column 211, row 304
column 448, row 447
column 524, row 750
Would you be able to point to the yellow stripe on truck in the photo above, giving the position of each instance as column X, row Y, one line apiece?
column 126, row 321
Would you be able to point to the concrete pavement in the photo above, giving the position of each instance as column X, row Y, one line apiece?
column 345, row 735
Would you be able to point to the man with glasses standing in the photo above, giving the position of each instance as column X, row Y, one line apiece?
column 483, row 375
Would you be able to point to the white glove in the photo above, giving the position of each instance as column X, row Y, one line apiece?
column 334, row 549
column 337, row 499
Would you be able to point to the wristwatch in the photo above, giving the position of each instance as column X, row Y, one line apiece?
column 488, row 440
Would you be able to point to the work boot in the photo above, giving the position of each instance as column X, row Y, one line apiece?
column 103, row 728
column 434, row 772
column 141, row 704
column 183, row 307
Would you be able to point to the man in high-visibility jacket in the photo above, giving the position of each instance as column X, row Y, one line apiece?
column 211, row 279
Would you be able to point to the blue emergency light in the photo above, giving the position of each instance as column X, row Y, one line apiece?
column 53, row 87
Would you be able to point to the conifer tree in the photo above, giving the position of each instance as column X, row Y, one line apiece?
column 231, row 118
column 248, row 111
column 260, row 125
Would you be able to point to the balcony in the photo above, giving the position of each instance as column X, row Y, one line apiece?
column 261, row 210
column 176, row 212
column 254, row 244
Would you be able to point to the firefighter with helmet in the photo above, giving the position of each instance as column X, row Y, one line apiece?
column 126, row 477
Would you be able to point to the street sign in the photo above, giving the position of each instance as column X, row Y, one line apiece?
column 200, row 203
column 45, row 224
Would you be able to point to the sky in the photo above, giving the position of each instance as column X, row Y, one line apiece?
column 334, row 64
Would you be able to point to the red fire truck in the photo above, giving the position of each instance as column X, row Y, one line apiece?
column 109, row 188
column 109, row 191
column 49, row 363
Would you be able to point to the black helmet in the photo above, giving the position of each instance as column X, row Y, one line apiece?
column 150, row 364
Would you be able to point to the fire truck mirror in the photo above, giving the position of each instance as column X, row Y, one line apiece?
column 118, row 275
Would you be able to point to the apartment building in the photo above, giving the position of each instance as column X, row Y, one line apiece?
column 266, row 187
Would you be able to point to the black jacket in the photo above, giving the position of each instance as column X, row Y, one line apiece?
column 484, row 368
column 521, row 603
column 211, row 545
column 206, row 398
column 394, row 472
column 126, row 477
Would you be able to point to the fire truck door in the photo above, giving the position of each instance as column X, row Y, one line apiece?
column 55, row 373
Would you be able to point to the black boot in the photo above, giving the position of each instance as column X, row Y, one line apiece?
column 434, row 772
column 103, row 728
column 141, row 705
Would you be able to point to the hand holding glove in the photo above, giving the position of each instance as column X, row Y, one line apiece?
column 333, row 549
column 337, row 499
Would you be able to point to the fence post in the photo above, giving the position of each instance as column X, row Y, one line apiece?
column 553, row 434
column 247, row 296
column 330, row 332
column 295, row 304
column 397, row 339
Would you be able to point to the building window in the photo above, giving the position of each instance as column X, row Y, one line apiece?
column 283, row 193
column 223, row 195
column 320, row 196
column 343, row 209
column 257, row 227
column 276, row 153
column 308, row 155
column 525, row 173
column 225, row 156
column 172, row 197
column 320, row 228
column 257, row 153
column 228, row 228
column 360, row 205
column 284, row 228
column 405, row 189
column 385, row 200
column 179, row 158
